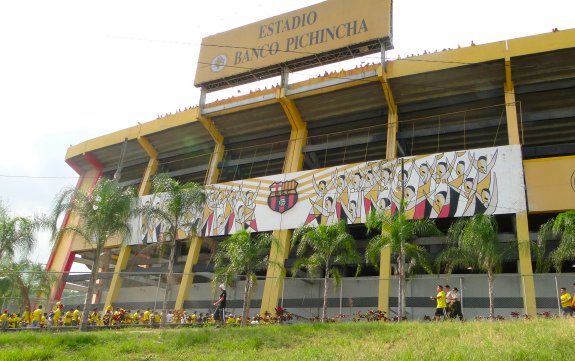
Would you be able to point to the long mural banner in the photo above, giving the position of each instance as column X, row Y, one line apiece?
column 444, row 185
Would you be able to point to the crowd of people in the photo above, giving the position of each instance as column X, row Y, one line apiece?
column 448, row 307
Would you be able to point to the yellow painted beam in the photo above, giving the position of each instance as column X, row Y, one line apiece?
column 196, row 243
column 146, row 184
column 525, row 266
column 218, row 154
column 298, row 136
column 510, row 106
column 188, row 276
column 211, row 128
column 116, row 283
column 521, row 219
column 390, row 153
column 275, row 273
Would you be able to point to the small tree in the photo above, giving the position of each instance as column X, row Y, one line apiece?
column 473, row 242
column 397, row 232
column 17, row 234
column 562, row 226
column 242, row 254
column 104, row 215
column 179, row 203
column 328, row 247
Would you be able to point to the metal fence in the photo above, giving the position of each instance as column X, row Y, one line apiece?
column 304, row 296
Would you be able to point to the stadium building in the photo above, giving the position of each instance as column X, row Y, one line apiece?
column 480, row 129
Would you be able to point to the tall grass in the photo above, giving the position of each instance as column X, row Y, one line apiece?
column 508, row 340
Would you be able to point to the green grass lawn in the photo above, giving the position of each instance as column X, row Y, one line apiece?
column 507, row 340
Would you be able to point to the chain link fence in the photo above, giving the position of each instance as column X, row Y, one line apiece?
column 346, row 300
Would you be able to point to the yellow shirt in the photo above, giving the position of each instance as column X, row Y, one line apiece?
column 136, row 317
column 43, row 320
column 3, row 317
column 565, row 300
column 27, row 317
column 76, row 315
column 146, row 316
column 441, row 300
column 94, row 317
column 157, row 319
column 37, row 315
column 68, row 317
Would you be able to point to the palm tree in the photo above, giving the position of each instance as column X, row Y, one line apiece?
column 397, row 232
column 104, row 215
column 179, row 202
column 329, row 246
column 242, row 254
column 17, row 234
column 31, row 279
column 473, row 242
column 563, row 226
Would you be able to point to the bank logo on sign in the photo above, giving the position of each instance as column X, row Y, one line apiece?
column 283, row 196
column 219, row 63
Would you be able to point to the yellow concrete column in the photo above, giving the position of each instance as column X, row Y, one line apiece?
column 188, row 276
column 521, row 220
column 126, row 250
column 510, row 106
column 390, row 153
column 196, row 242
column 293, row 163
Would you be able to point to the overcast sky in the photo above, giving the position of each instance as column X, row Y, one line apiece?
column 74, row 70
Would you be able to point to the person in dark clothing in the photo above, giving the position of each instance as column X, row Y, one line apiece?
column 456, row 304
column 219, row 314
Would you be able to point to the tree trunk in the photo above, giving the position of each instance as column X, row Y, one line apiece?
column 247, row 300
column 90, row 292
column 491, row 298
column 169, row 281
column 325, row 289
column 401, row 286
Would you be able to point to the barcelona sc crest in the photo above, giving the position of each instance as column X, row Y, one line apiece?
column 283, row 196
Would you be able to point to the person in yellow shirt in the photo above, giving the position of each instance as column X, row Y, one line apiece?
column 37, row 316
column 441, row 303
column 157, row 319
column 76, row 316
column 26, row 317
column 12, row 320
column 146, row 317
column 57, row 314
column 68, row 317
column 43, row 320
column 566, row 302
column 136, row 317
column 93, row 320
column 17, row 320
column 4, row 320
